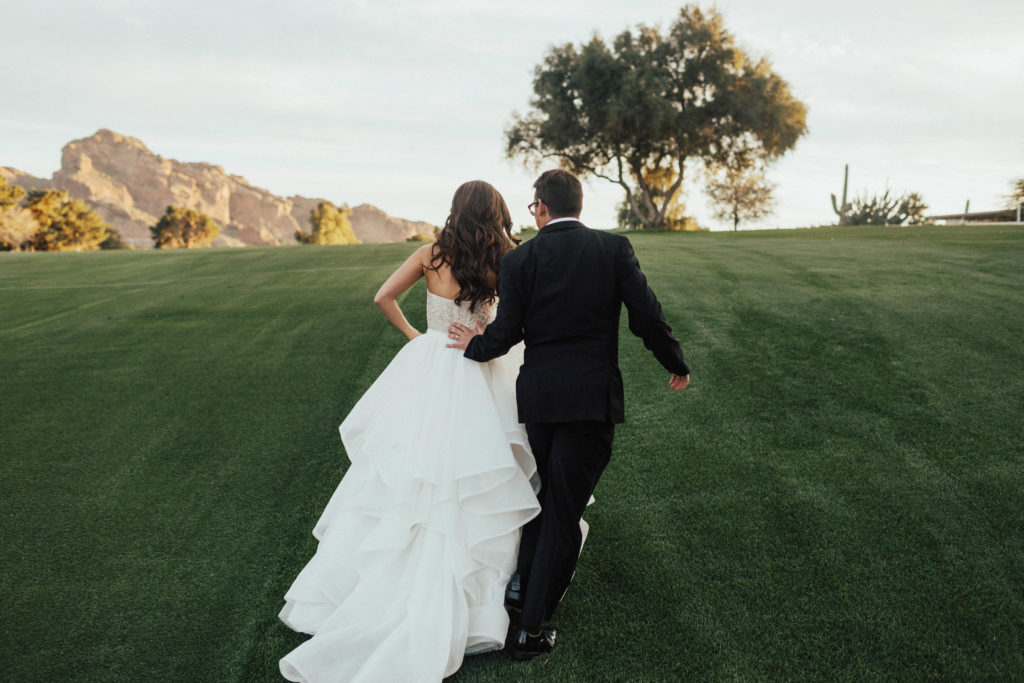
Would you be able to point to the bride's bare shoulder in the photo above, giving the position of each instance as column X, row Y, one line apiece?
column 426, row 253
column 431, row 264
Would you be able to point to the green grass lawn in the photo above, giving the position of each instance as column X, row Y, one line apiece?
column 838, row 495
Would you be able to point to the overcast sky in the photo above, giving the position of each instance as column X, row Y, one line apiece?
column 396, row 103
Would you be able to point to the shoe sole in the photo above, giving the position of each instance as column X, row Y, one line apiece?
column 521, row 656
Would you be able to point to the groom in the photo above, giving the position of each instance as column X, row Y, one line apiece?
column 562, row 293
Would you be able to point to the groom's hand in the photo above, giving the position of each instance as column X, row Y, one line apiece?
column 678, row 382
column 462, row 334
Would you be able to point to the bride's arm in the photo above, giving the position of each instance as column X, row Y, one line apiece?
column 402, row 279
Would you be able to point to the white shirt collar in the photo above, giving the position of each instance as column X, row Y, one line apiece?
column 559, row 220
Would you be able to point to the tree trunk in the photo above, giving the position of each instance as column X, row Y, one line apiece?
column 649, row 217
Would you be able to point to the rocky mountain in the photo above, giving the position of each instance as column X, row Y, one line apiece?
column 131, row 187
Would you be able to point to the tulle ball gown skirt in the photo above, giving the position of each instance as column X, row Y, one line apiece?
column 420, row 537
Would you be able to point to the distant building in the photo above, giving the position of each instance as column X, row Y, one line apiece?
column 1000, row 216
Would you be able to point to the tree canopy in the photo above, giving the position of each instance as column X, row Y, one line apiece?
column 1016, row 196
column 181, row 227
column 65, row 224
column 330, row 224
column 51, row 221
column 10, row 195
column 653, row 102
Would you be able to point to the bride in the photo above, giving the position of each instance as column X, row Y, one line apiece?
column 418, row 541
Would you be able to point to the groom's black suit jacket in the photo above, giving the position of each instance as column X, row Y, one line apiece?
column 563, row 292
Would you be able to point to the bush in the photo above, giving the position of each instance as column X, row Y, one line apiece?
column 181, row 227
column 331, row 225
column 887, row 209
column 115, row 241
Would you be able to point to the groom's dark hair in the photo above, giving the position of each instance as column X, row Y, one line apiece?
column 561, row 192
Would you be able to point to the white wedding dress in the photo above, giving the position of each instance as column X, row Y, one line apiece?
column 420, row 537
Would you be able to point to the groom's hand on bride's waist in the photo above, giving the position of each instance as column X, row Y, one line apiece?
column 462, row 334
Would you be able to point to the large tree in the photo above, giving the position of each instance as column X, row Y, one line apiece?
column 181, row 227
column 65, row 224
column 330, row 224
column 656, row 102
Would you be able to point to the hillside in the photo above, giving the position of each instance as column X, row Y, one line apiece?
column 130, row 187
column 839, row 495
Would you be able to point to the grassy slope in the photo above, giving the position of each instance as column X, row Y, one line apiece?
column 838, row 494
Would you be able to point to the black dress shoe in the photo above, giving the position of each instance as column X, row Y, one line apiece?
column 524, row 645
column 514, row 593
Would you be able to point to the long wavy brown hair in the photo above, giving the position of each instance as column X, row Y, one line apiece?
column 476, row 234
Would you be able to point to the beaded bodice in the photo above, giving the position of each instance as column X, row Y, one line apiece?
column 442, row 312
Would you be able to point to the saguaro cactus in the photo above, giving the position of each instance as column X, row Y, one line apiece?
column 843, row 209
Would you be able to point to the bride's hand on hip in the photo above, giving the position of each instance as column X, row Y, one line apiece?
column 462, row 334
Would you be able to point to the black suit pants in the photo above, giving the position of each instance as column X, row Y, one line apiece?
column 570, row 459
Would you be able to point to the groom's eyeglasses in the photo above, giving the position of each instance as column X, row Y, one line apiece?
column 532, row 207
